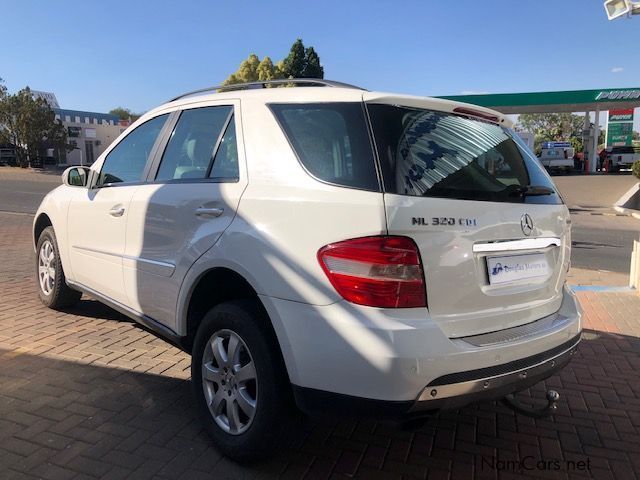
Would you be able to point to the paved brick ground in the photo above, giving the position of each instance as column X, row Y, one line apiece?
column 88, row 394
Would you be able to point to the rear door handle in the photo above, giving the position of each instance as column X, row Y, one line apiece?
column 117, row 211
column 209, row 212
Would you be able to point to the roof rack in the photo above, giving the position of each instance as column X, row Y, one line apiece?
column 249, row 86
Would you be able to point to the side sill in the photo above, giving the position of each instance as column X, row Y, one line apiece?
column 147, row 322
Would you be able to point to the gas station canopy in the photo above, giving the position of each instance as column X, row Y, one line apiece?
column 555, row 102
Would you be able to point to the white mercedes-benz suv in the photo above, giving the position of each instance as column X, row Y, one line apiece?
column 321, row 246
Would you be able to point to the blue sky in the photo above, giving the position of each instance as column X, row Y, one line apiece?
column 137, row 54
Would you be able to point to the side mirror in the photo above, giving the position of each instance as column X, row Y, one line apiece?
column 76, row 176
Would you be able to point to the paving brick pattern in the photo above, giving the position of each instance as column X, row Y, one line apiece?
column 88, row 394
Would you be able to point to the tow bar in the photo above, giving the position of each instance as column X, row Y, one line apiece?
column 531, row 410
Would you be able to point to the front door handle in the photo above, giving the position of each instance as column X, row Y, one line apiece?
column 209, row 212
column 117, row 211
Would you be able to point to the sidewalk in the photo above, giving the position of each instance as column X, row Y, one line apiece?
column 88, row 394
column 49, row 174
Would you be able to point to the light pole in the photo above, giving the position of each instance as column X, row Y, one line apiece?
column 618, row 8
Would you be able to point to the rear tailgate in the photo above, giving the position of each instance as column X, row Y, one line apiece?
column 465, row 247
column 492, row 231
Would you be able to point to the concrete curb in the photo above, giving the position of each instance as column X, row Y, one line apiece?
column 629, row 198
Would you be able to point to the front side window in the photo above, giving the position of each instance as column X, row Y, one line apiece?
column 193, row 143
column 126, row 162
column 436, row 154
column 331, row 141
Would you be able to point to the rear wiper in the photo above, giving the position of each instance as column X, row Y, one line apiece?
column 531, row 191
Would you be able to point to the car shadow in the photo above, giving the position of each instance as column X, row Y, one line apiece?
column 97, row 420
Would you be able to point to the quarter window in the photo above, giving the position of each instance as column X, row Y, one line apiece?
column 126, row 162
column 331, row 141
column 196, row 141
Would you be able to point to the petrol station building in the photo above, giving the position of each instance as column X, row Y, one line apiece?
column 618, row 102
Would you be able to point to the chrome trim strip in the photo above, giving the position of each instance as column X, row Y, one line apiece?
column 516, row 245
column 155, row 267
column 536, row 328
column 489, row 383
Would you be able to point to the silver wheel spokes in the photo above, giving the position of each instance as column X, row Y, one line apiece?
column 229, row 381
column 46, row 268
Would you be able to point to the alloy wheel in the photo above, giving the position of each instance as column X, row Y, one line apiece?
column 229, row 381
column 46, row 267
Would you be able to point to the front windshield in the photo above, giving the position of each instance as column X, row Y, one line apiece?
column 436, row 154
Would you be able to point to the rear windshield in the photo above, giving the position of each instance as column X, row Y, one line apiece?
column 331, row 141
column 434, row 154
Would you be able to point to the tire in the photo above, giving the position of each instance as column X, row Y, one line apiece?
column 244, row 435
column 52, row 285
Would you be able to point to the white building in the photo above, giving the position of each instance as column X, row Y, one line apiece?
column 91, row 133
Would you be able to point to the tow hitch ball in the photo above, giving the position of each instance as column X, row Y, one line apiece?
column 531, row 410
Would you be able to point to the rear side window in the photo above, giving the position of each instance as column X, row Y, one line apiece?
column 126, row 162
column 193, row 142
column 332, row 142
column 435, row 154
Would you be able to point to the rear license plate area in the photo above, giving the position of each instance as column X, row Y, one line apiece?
column 515, row 268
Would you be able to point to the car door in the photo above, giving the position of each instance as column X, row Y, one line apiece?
column 190, row 198
column 97, row 218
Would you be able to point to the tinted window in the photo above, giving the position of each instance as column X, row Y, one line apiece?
column 332, row 142
column 434, row 154
column 192, row 145
column 126, row 162
column 225, row 163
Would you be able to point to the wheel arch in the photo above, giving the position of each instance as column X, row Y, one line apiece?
column 220, row 284
column 41, row 222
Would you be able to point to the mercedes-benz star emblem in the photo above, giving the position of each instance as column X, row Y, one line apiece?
column 526, row 223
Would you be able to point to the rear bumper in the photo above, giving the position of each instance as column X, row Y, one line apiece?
column 475, row 385
column 494, row 382
column 396, row 357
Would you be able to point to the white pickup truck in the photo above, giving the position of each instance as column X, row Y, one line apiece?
column 557, row 156
column 622, row 157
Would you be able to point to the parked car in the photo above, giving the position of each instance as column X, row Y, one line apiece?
column 557, row 156
column 321, row 247
column 621, row 157
column 8, row 156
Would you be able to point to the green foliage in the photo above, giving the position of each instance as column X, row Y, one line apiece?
column 295, row 63
column 300, row 63
column 312, row 67
column 253, row 70
column 636, row 168
column 29, row 124
column 553, row 127
column 124, row 114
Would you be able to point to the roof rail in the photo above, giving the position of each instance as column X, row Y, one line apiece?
column 248, row 86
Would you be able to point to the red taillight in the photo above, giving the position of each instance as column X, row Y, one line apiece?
column 476, row 113
column 379, row 271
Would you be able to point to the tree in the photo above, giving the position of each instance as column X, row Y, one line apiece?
column 253, row 70
column 553, row 126
column 124, row 114
column 300, row 63
column 295, row 62
column 29, row 124
column 312, row 67
column 266, row 70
